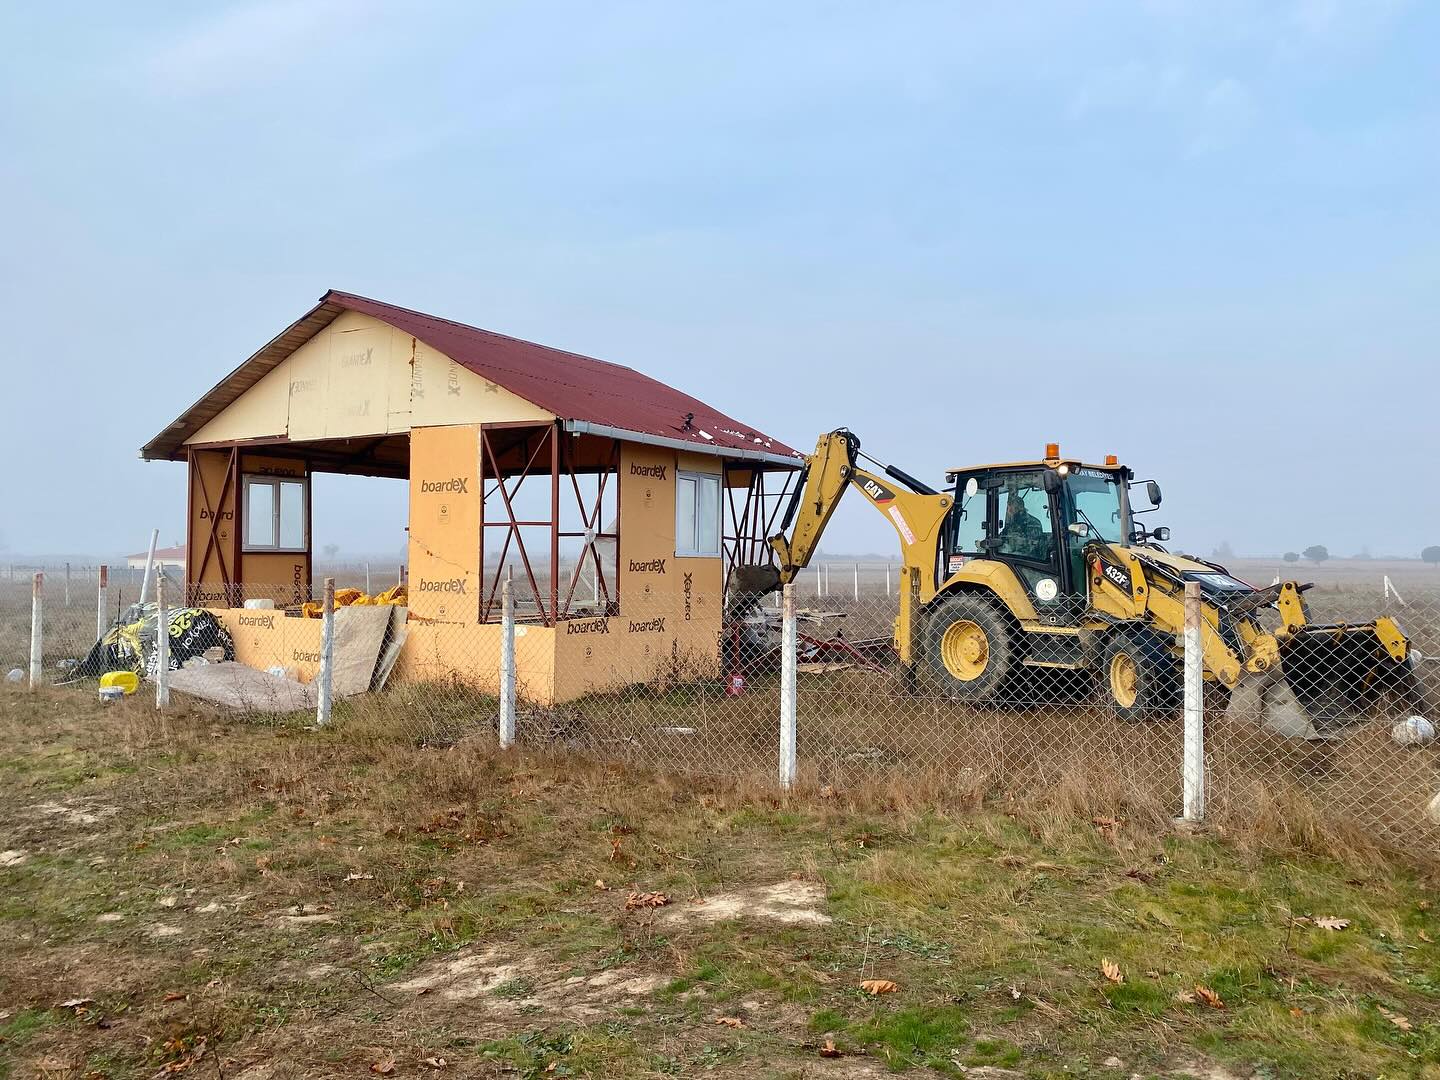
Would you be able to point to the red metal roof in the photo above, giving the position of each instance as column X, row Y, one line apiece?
column 572, row 386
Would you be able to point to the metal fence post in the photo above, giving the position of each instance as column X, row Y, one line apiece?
column 367, row 579
column 67, row 584
column 507, row 665
column 1194, row 757
column 37, row 632
column 102, row 603
column 325, row 698
column 787, row 689
column 857, row 581
column 162, row 646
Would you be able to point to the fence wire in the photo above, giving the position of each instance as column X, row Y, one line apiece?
column 693, row 684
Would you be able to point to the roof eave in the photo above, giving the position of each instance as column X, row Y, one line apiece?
column 585, row 427
column 169, row 444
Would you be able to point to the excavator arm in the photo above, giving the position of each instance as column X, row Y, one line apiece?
column 915, row 514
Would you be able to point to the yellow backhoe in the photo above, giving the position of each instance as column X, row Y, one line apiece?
column 1042, row 564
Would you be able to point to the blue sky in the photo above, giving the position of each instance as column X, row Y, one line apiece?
column 1199, row 235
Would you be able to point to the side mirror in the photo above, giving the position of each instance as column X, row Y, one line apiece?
column 1161, row 533
column 1051, row 481
column 1079, row 528
column 972, row 487
column 1152, row 490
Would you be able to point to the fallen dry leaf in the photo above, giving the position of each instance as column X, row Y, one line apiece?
column 1185, row 997
column 1423, row 905
column 1111, row 971
column 385, row 1066
column 175, row 996
column 645, row 900
column 829, row 1050
column 876, row 987
column 601, row 886
column 1330, row 922
column 1401, row 1022
column 1208, row 996
column 436, row 1062
column 1426, row 937
column 74, row 1003
column 730, row 1021
column 827, row 792
column 356, row 876
column 1297, row 1013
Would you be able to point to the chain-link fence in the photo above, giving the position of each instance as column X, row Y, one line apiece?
column 956, row 698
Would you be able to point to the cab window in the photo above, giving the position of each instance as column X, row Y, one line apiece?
column 967, row 523
column 1022, row 514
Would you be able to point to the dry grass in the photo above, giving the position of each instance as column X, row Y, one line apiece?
column 338, row 857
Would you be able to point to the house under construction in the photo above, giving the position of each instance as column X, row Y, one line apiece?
column 617, row 504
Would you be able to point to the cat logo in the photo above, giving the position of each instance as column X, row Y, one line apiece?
column 878, row 492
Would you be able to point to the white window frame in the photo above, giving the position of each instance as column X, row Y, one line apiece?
column 696, row 549
column 273, row 482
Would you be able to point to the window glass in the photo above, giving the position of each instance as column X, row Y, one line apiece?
column 968, row 522
column 684, row 514
column 1097, row 503
column 292, row 514
column 259, row 514
column 707, row 518
column 697, row 514
column 1023, row 512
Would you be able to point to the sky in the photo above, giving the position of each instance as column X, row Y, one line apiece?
column 1202, row 236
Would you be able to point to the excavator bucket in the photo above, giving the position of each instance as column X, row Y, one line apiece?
column 1330, row 677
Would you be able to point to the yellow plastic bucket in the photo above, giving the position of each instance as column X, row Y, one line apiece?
column 127, row 681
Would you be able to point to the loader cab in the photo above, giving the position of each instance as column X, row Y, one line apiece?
column 1037, row 517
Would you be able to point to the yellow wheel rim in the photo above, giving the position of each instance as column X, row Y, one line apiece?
column 1122, row 680
column 965, row 650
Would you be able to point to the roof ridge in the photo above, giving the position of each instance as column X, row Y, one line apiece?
column 476, row 329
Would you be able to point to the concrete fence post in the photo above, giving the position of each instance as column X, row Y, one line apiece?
column 149, row 567
column 102, row 603
column 1194, row 756
column 507, row 664
column 325, row 696
column 37, row 631
column 162, row 646
column 787, row 689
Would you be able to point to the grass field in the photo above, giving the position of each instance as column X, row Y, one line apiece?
column 200, row 895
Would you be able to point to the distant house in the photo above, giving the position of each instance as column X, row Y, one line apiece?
column 173, row 557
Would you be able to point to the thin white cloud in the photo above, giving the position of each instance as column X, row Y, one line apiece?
column 249, row 43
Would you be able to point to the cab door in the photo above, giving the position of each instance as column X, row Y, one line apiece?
column 1024, row 535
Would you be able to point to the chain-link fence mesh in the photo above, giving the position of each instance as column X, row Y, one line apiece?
column 984, row 707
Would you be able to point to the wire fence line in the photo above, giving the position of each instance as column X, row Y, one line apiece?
column 807, row 689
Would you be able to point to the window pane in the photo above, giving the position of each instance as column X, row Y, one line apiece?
column 684, row 514
column 968, row 522
column 259, row 514
column 707, row 538
column 292, row 514
column 1024, row 512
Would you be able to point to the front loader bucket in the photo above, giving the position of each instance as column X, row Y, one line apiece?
column 1329, row 678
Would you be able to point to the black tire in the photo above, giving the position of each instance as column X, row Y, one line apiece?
column 1139, row 679
column 967, row 651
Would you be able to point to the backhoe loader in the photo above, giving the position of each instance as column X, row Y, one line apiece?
column 1042, row 564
